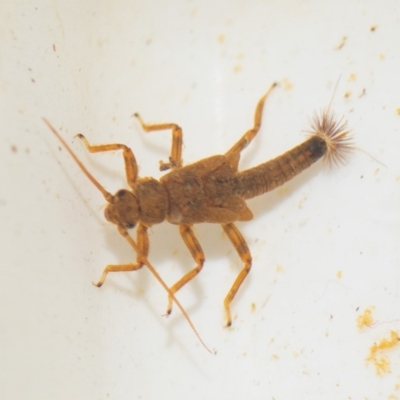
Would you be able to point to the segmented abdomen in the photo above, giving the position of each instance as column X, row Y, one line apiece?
column 271, row 174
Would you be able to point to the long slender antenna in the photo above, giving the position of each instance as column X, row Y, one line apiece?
column 108, row 196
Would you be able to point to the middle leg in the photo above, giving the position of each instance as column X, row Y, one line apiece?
column 175, row 159
column 197, row 253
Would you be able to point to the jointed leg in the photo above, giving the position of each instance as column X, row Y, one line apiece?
column 143, row 244
column 245, row 140
column 175, row 159
column 131, row 168
column 197, row 253
column 244, row 253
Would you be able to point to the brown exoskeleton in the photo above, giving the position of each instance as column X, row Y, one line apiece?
column 210, row 190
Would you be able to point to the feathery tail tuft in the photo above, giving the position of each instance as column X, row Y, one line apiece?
column 335, row 134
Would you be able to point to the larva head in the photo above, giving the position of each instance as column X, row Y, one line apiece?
column 146, row 203
column 335, row 134
column 123, row 210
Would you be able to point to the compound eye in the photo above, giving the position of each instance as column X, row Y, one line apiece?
column 122, row 193
column 130, row 225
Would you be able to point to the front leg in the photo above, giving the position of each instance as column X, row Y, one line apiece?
column 131, row 168
column 143, row 244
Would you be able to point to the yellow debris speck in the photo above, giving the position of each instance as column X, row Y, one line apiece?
column 347, row 94
column 352, row 77
column 365, row 319
column 279, row 268
column 287, row 84
column 382, row 364
column 341, row 44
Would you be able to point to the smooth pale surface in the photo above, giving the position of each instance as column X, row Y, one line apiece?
column 324, row 246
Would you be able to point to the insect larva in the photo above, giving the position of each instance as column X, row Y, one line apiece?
column 209, row 190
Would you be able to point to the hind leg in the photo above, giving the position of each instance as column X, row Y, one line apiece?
column 245, row 140
column 241, row 247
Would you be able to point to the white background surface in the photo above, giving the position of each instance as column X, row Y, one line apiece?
column 87, row 66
